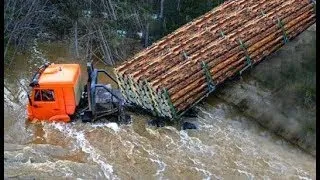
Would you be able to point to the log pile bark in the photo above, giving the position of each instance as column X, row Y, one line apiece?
column 181, row 69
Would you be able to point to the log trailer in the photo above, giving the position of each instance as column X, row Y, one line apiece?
column 181, row 69
column 172, row 75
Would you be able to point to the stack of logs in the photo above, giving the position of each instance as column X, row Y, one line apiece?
column 178, row 71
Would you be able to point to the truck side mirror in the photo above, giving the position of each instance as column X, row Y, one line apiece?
column 30, row 102
column 89, row 70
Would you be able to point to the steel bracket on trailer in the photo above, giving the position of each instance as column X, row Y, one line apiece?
column 222, row 33
column 132, row 87
column 211, row 85
column 248, row 59
column 133, row 94
column 314, row 5
column 280, row 25
column 172, row 108
column 121, row 86
column 186, row 57
column 147, row 85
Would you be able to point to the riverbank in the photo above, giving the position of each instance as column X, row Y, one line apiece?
column 280, row 92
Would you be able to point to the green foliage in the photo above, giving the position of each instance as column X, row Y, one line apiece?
column 189, row 9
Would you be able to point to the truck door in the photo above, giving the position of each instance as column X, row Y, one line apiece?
column 45, row 104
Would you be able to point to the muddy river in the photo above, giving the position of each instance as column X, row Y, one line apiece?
column 226, row 145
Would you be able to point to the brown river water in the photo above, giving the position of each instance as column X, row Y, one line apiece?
column 226, row 145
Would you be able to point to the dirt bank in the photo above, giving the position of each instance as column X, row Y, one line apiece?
column 280, row 91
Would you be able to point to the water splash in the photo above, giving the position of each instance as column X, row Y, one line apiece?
column 304, row 178
column 114, row 126
column 249, row 175
column 206, row 173
column 195, row 145
column 86, row 147
column 9, row 99
column 142, row 142
column 37, row 55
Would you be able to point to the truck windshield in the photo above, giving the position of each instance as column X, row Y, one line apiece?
column 44, row 95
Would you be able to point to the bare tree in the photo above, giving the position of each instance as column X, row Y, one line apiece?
column 146, row 35
column 76, row 38
column 72, row 11
column 105, row 48
column 161, row 9
column 23, row 20
column 94, row 27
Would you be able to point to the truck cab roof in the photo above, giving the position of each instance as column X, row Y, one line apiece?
column 58, row 75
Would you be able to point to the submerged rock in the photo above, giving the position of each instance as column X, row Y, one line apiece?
column 158, row 122
column 188, row 125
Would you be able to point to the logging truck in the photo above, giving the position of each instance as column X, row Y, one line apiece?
column 172, row 75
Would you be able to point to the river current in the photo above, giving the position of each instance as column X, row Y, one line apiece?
column 226, row 145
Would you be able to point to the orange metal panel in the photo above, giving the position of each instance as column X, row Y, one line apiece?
column 60, row 75
column 70, row 102
column 61, row 79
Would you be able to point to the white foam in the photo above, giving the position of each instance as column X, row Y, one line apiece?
column 205, row 172
column 304, row 178
column 278, row 166
column 85, row 146
column 22, row 94
column 8, row 99
column 94, row 155
column 211, row 117
column 195, row 144
column 113, row 126
column 162, row 166
column 153, row 132
column 153, row 156
column 50, row 167
column 249, row 175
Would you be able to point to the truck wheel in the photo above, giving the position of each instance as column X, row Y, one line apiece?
column 86, row 116
column 124, row 118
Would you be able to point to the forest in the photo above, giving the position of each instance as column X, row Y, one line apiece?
column 105, row 29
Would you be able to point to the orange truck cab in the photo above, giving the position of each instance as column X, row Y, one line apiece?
column 56, row 92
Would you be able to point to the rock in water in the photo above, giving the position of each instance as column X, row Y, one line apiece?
column 158, row 122
column 188, row 125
